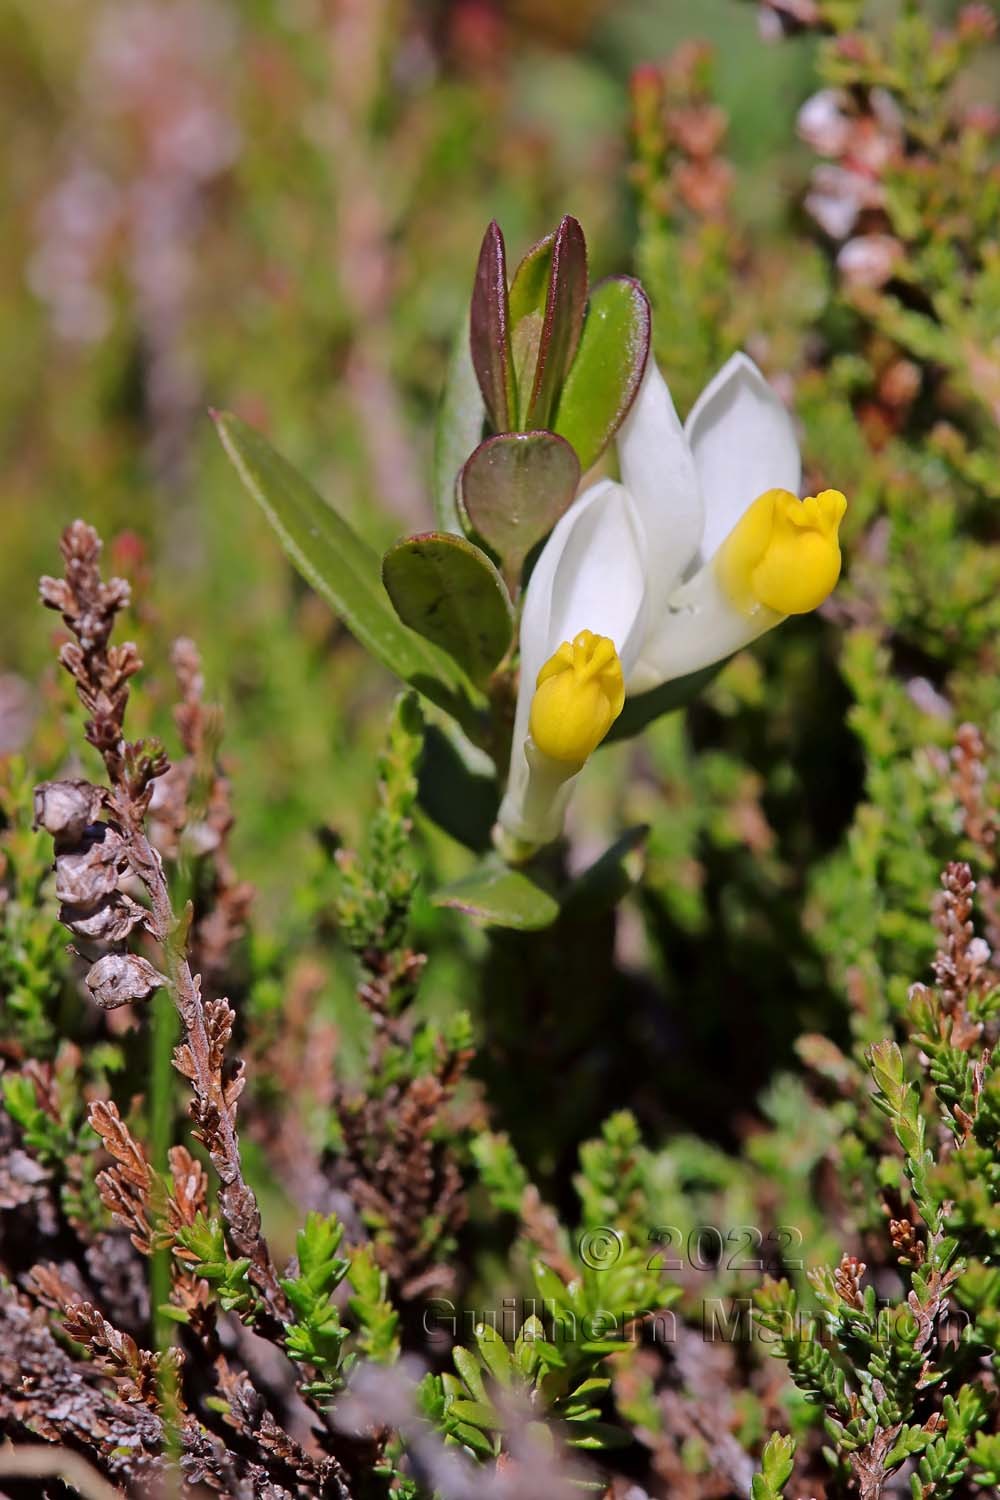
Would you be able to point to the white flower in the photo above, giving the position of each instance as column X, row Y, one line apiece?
column 702, row 547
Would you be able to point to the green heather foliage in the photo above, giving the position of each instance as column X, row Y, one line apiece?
column 204, row 1244
column 347, row 1148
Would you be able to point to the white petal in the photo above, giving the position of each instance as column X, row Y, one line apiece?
column 534, row 806
column 590, row 576
column 658, row 471
column 743, row 442
column 699, row 626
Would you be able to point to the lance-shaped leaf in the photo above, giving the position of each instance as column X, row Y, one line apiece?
column 528, row 296
column 514, row 488
column 547, row 302
column 450, row 593
column 642, row 708
column 605, row 375
column 524, row 899
column 565, row 303
column 489, row 332
column 343, row 569
column 458, row 788
column 501, row 897
column 459, row 429
column 529, row 287
column 603, row 884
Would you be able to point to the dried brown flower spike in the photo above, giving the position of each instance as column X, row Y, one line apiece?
column 93, row 857
column 89, row 608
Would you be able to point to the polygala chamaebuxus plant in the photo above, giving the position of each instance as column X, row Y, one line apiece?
column 541, row 616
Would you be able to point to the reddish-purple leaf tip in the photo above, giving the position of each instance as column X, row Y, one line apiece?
column 489, row 332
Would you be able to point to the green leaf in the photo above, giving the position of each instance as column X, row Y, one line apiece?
column 471, row 1372
column 459, row 430
column 503, row 1175
column 551, row 1288
column 449, row 592
column 342, row 568
column 175, row 1314
column 495, row 1354
column 777, row 1462
column 596, row 1385
column 513, row 490
column 477, row 1412
column 377, row 1319
column 205, row 1240
column 528, row 294
column 529, row 288
column 565, row 304
column 501, row 897
column 644, row 707
column 603, row 884
column 605, row 375
column 599, row 1436
column 317, row 1335
column 317, row 1243
column 473, row 1438
column 458, row 788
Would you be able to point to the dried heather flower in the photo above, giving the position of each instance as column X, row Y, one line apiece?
column 119, row 978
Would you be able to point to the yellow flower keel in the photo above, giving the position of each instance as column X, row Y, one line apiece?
column 578, row 696
column 784, row 553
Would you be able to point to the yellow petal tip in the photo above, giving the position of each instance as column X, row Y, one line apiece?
column 784, row 553
column 579, row 694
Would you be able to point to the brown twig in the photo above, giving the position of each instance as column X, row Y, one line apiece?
column 39, row 1461
column 200, row 1059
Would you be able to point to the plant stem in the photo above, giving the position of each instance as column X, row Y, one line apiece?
column 214, row 1106
column 163, row 1037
